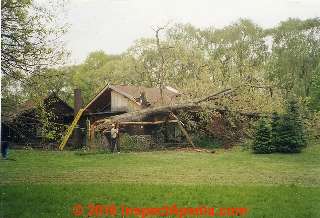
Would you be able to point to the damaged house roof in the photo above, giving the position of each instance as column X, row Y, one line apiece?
column 133, row 93
column 152, row 95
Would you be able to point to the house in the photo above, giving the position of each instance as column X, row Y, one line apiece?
column 24, row 126
column 119, row 99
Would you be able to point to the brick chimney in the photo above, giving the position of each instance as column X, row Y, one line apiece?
column 78, row 102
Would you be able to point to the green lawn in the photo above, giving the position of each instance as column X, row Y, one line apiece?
column 48, row 184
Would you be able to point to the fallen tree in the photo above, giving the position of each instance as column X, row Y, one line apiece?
column 142, row 115
column 168, row 113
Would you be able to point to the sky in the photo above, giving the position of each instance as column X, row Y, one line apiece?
column 114, row 25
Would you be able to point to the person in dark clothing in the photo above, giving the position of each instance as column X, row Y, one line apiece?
column 4, row 149
column 4, row 143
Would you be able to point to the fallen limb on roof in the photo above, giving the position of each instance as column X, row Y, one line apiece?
column 166, row 114
column 144, row 114
column 141, row 115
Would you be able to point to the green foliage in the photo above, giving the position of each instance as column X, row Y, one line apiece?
column 315, row 90
column 262, row 139
column 246, row 145
column 313, row 127
column 275, row 129
column 30, row 38
column 286, row 135
column 31, row 43
column 291, row 135
column 295, row 57
column 50, row 130
column 9, row 99
column 206, row 142
column 133, row 143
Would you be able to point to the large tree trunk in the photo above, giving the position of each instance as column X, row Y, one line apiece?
column 147, row 114
column 144, row 114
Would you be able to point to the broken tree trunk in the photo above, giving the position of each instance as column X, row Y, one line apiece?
column 144, row 114
column 183, row 130
column 141, row 115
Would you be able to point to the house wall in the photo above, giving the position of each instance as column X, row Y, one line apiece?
column 121, row 103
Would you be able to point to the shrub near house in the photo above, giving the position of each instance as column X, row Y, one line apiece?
column 291, row 138
column 286, row 135
column 262, row 141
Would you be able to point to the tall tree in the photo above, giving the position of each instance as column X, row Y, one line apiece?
column 315, row 90
column 295, row 55
column 30, row 39
column 31, row 43
column 237, row 52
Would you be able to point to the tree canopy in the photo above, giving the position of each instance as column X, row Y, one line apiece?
column 29, row 39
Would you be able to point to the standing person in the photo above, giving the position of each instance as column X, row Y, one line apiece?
column 4, row 149
column 114, row 138
column 4, row 144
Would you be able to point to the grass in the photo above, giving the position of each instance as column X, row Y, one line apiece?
column 48, row 184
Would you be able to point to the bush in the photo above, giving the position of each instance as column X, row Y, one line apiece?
column 246, row 145
column 275, row 129
column 286, row 135
column 262, row 140
column 207, row 142
column 289, row 134
column 313, row 126
column 134, row 143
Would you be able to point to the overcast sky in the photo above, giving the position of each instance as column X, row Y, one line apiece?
column 113, row 25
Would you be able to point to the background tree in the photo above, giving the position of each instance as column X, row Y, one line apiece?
column 30, row 39
column 295, row 55
column 31, row 43
column 315, row 90
column 199, row 62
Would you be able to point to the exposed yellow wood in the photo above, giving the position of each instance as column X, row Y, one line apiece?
column 184, row 131
column 70, row 129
